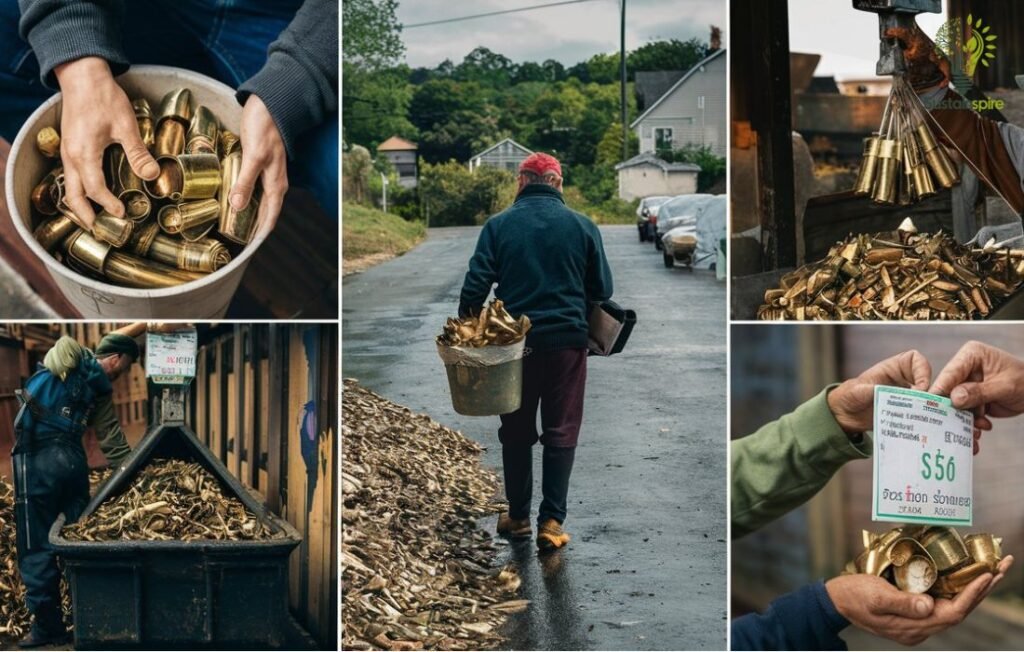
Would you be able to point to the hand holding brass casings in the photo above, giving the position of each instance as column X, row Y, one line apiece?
column 236, row 226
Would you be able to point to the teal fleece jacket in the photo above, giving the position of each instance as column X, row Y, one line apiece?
column 549, row 264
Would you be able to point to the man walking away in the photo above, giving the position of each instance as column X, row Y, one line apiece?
column 549, row 264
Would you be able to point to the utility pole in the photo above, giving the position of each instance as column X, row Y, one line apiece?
column 622, row 75
column 384, row 191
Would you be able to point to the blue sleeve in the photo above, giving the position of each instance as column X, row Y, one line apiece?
column 805, row 619
column 95, row 377
column 482, row 273
column 599, row 274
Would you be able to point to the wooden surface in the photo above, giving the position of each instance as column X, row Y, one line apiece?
column 293, row 275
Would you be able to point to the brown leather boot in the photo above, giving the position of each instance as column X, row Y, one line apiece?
column 513, row 528
column 550, row 535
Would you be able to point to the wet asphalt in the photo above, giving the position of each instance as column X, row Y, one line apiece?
column 646, row 568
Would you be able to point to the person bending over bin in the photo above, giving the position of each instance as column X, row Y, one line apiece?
column 549, row 264
column 70, row 392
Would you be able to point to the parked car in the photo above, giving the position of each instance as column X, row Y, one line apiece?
column 674, row 212
column 646, row 212
column 695, row 239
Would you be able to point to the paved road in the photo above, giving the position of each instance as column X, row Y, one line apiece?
column 647, row 565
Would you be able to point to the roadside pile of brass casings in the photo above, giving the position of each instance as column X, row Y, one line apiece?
column 903, row 162
column 493, row 326
column 417, row 570
column 14, row 616
column 178, row 227
column 922, row 559
column 897, row 275
column 170, row 500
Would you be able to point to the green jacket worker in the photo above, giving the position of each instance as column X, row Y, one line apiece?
column 70, row 392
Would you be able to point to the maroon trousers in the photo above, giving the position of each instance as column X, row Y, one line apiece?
column 555, row 381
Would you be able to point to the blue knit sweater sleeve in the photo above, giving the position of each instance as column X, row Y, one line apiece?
column 482, row 273
column 805, row 619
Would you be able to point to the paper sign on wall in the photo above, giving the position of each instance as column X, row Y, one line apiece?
column 171, row 357
column 924, row 453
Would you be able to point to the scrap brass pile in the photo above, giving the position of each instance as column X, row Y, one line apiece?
column 170, row 500
column 416, row 568
column 494, row 326
column 897, row 275
column 903, row 162
column 167, row 235
column 921, row 559
column 14, row 616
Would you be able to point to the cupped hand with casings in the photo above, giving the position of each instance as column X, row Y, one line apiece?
column 853, row 402
column 95, row 114
column 264, row 159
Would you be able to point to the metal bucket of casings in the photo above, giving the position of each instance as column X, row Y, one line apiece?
column 179, row 594
column 485, row 381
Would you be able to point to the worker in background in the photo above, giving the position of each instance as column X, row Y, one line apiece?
column 786, row 462
column 70, row 392
column 549, row 264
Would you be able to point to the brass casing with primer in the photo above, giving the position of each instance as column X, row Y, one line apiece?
column 44, row 197
column 144, row 116
column 945, row 547
column 206, row 255
column 200, row 175
column 885, row 182
column 48, row 142
column 167, row 184
column 904, row 580
column 175, row 114
column 52, row 232
column 868, row 167
column 179, row 218
column 110, row 229
column 236, row 226
column 938, row 160
column 137, row 205
column 202, row 132
column 122, row 268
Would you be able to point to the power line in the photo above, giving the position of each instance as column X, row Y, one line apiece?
column 494, row 13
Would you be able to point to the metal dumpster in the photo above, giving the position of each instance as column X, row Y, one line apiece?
column 176, row 594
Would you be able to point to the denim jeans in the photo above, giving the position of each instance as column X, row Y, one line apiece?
column 223, row 39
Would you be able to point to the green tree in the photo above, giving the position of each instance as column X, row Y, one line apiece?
column 453, row 196
column 372, row 33
column 356, row 168
column 376, row 105
column 486, row 67
column 667, row 55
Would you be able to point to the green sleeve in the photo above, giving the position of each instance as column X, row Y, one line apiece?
column 786, row 462
column 108, row 430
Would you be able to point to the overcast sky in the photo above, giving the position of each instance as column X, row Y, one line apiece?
column 569, row 33
column 846, row 38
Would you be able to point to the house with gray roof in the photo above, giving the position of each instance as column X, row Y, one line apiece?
column 646, row 175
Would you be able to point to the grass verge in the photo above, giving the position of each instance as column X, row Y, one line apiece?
column 369, row 232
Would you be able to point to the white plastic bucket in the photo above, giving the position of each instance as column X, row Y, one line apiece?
column 205, row 298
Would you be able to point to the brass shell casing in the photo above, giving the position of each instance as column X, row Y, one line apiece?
column 938, row 160
column 143, row 237
column 180, row 218
column 121, row 268
column 868, row 167
column 923, row 184
column 52, row 232
column 885, row 183
column 144, row 117
column 120, row 175
column 200, row 175
column 168, row 183
column 945, row 547
column 176, row 104
column 111, row 229
column 137, row 205
column 206, row 255
column 984, row 547
column 44, row 195
column 170, row 138
column 229, row 142
column 202, row 132
column 48, row 142
column 87, row 251
column 236, row 226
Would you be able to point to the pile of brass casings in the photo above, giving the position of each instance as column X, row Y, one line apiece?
column 170, row 500
column 177, row 227
column 897, row 275
column 494, row 326
column 903, row 162
column 922, row 559
column 14, row 616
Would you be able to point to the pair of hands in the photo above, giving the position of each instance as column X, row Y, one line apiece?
column 97, row 113
column 981, row 378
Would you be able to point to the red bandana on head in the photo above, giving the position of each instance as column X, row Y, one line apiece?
column 540, row 163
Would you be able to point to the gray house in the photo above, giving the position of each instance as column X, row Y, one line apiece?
column 691, row 112
column 402, row 155
column 646, row 175
column 506, row 154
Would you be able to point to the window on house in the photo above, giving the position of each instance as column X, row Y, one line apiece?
column 700, row 101
column 663, row 139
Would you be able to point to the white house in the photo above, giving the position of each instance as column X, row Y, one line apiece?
column 691, row 112
column 506, row 154
column 402, row 154
column 646, row 175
